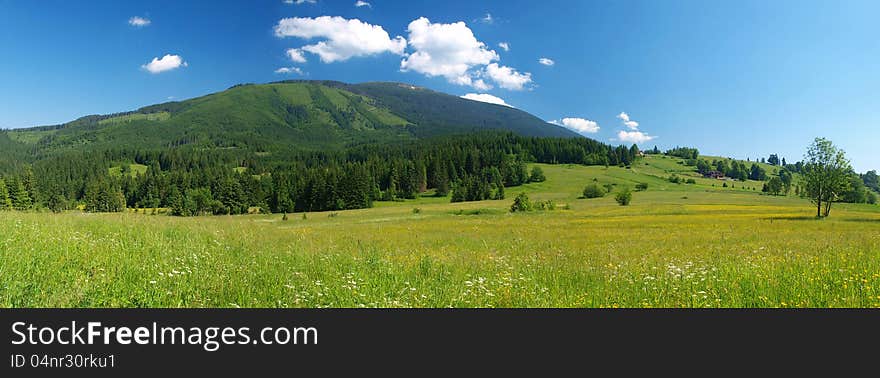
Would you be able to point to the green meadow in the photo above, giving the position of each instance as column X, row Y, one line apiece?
column 676, row 245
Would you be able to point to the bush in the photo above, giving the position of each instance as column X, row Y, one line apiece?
column 691, row 181
column 416, row 210
column 641, row 187
column 546, row 205
column 624, row 197
column 537, row 175
column 521, row 203
column 594, row 191
column 675, row 179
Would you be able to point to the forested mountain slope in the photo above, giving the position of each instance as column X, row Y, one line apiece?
column 299, row 115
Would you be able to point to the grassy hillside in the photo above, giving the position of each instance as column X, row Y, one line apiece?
column 675, row 246
column 284, row 116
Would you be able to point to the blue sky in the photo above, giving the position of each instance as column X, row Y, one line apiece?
column 734, row 78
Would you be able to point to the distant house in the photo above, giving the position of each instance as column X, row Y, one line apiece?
column 714, row 174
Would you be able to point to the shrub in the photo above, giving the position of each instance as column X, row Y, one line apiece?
column 521, row 203
column 641, row 187
column 624, row 196
column 546, row 205
column 691, row 181
column 594, row 191
column 675, row 179
column 416, row 210
column 537, row 175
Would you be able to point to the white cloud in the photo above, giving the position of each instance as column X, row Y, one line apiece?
column 546, row 61
column 362, row 3
column 298, row 2
column 636, row 137
column 508, row 78
column 448, row 50
column 633, row 125
column 504, row 46
column 296, row 55
column 166, row 63
column 344, row 38
column 481, row 85
column 485, row 97
column 581, row 125
column 139, row 22
column 488, row 19
column 289, row 70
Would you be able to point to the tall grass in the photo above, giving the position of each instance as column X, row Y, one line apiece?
column 674, row 246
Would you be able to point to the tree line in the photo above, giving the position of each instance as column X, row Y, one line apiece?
column 190, row 181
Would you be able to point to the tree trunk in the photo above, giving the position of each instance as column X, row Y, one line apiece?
column 819, row 208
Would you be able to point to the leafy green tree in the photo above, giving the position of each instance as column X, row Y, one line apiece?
column 522, row 203
column 624, row 196
column 787, row 179
column 774, row 186
column 101, row 197
column 826, row 175
column 537, row 175
column 199, row 201
column 757, row 173
column 871, row 180
column 857, row 192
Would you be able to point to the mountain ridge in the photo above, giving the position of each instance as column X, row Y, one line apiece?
column 306, row 114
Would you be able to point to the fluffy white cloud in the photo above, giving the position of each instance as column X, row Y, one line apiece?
column 298, row 2
column 296, row 55
column 139, row 22
column 546, row 61
column 362, row 3
column 447, row 50
column 581, row 125
column 485, row 97
column 289, row 70
column 636, row 137
column 504, row 46
column 344, row 38
column 508, row 78
column 633, row 125
column 166, row 63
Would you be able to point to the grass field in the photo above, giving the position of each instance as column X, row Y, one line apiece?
column 675, row 246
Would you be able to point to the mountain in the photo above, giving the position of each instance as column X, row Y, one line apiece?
column 310, row 115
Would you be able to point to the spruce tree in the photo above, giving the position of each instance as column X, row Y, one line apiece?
column 20, row 198
column 5, row 201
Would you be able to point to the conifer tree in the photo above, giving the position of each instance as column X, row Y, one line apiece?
column 5, row 201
